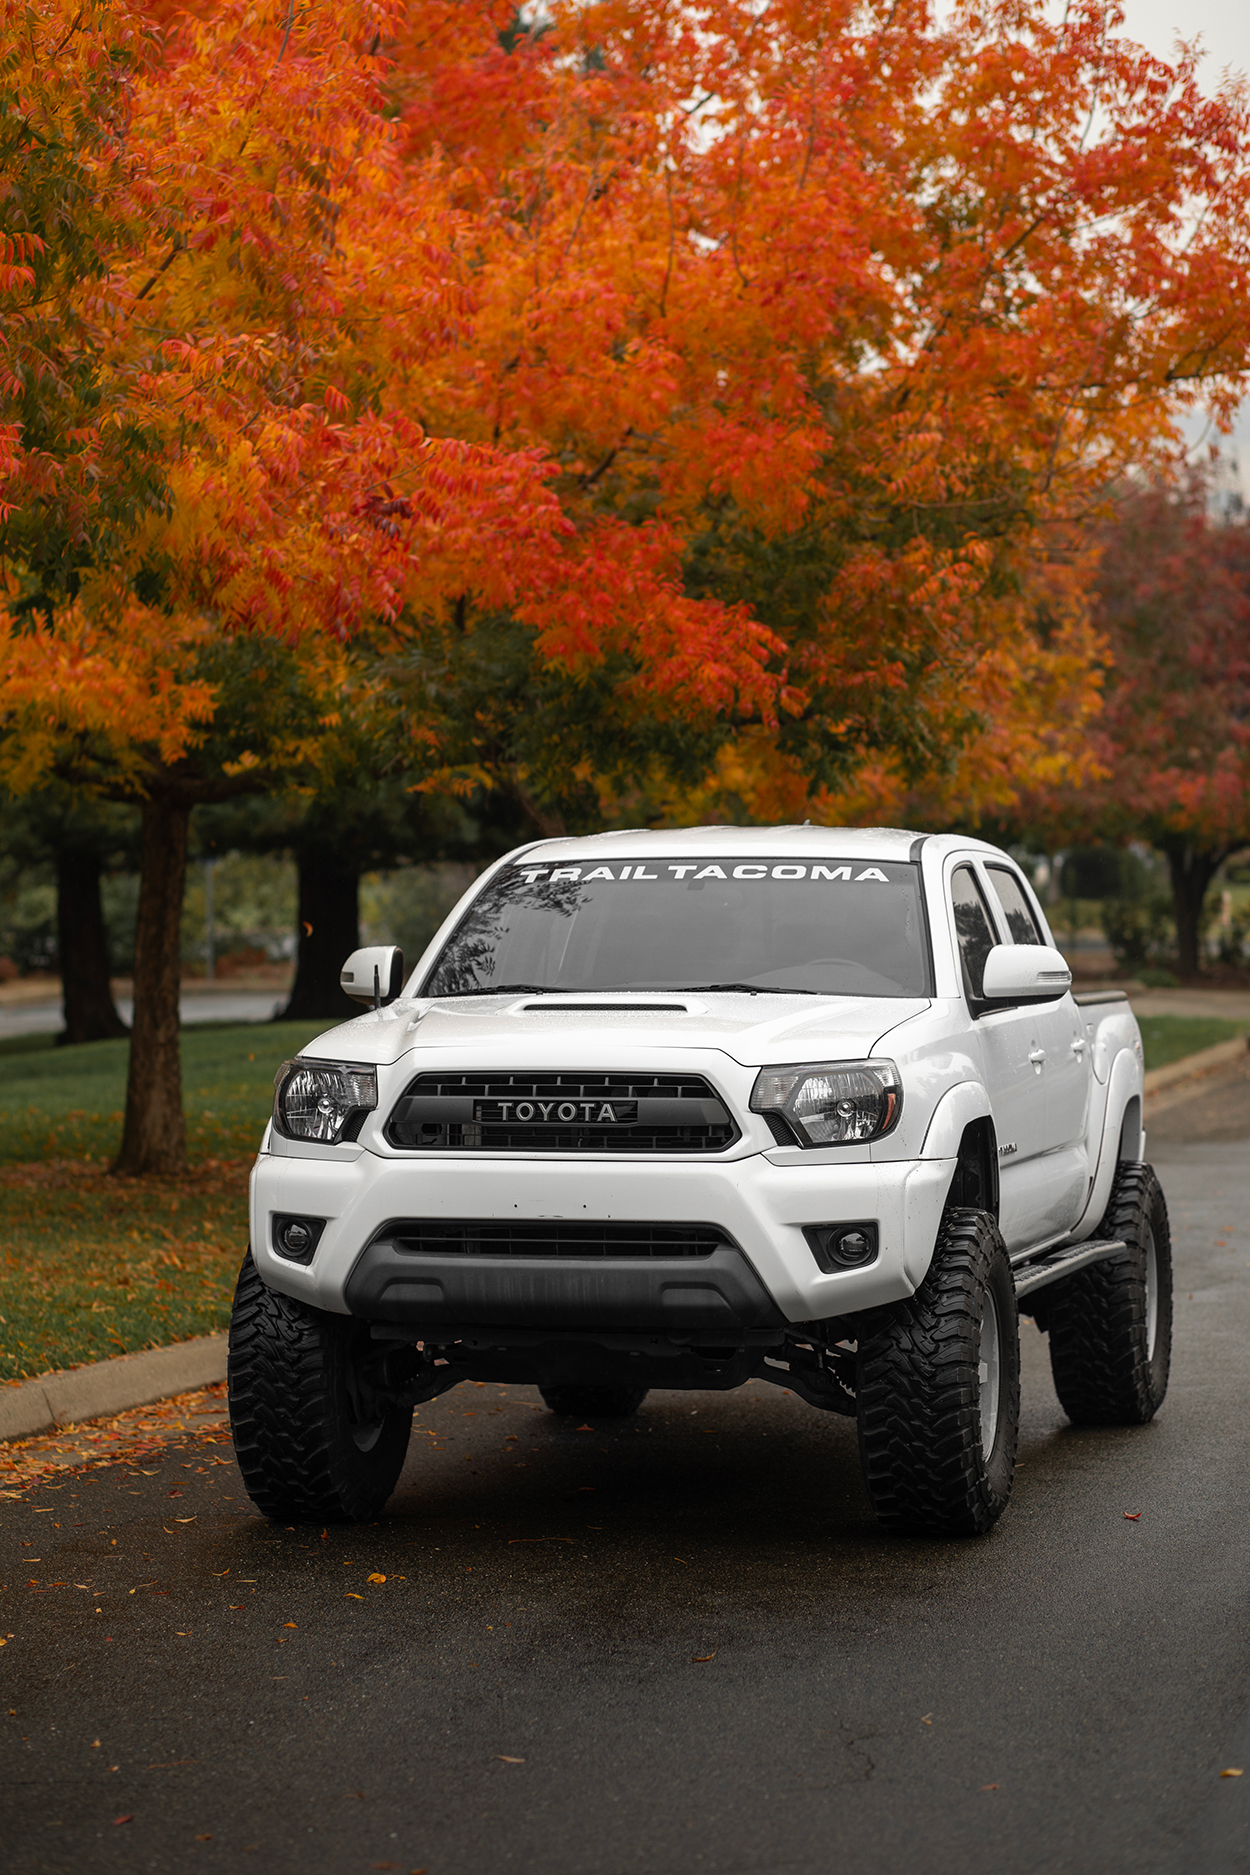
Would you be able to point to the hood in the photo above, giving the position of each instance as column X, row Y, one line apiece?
column 587, row 1030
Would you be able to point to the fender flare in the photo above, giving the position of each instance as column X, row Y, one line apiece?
column 956, row 1110
column 1121, row 1137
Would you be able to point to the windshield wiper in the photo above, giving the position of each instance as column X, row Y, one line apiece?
column 498, row 989
column 745, row 989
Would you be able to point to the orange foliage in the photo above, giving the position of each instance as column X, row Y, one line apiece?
column 911, row 288
column 614, row 321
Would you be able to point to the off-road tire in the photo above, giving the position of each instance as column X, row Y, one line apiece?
column 304, row 1456
column 573, row 1402
column 1105, row 1370
column 919, row 1389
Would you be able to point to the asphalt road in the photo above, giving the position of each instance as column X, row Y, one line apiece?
column 674, row 1645
column 221, row 1006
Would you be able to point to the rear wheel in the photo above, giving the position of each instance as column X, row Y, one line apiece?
column 313, row 1443
column 1110, row 1325
column 938, row 1389
column 574, row 1402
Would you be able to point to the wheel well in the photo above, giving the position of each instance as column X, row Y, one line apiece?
column 975, row 1183
column 1130, row 1131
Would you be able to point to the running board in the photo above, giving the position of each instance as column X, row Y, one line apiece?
column 1038, row 1275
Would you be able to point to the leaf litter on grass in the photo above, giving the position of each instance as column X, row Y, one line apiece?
column 94, row 1265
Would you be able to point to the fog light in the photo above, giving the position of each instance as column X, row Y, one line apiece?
column 295, row 1238
column 842, row 1246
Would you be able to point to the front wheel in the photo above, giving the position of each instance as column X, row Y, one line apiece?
column 313, row 1445
column 1110, row 1325
column 938, row 1389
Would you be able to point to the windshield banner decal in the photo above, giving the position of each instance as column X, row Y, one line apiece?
column 694, row 872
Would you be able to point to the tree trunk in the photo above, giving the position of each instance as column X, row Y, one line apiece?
column 83, row 946
column 1192, row 869
column 154, row 1136
column 329, row 931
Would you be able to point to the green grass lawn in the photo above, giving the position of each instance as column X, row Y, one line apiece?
column 1171, row 1038
column 93, row 1265
column 66, row 1103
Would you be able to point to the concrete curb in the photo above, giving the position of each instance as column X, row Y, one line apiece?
column 1191, row 1065
column 107, row 1387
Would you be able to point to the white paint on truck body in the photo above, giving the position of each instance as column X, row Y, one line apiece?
column 1054, row 1081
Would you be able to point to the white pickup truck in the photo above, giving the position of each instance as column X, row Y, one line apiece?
column 809, row 1105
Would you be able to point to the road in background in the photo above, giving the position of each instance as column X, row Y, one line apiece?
column 677, row 1643
column 44, row 1018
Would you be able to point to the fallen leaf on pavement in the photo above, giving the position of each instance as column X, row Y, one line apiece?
column 585, row 1428
column 504, row 1760
column 989, row 1787
column 375, row 1578
column 927, row 1719
column 124, row 1819
column 700, row 1659
column 353, row 1598
column 1230, row 1773
column 290, row 1624
column 1134, row 1516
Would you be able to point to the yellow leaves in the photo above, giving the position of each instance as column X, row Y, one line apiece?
column 122, row 677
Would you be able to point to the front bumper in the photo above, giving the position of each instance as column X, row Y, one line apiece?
column 761, row 1207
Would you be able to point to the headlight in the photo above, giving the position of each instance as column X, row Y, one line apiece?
column 320, row 1100
column 834, row 1103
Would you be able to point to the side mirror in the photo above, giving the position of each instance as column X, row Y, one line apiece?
column 1023, row 973
column 374, row 975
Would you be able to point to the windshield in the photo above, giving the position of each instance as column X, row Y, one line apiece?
column 826, row 927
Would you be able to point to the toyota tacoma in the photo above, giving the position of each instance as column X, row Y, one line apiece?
column 807, row 1105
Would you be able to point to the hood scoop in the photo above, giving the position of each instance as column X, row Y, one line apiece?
column 616, row 1009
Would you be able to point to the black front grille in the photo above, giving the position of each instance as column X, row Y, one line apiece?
column 617, row 1113
column 491, row 1237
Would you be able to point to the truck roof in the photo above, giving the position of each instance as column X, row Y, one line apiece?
column 888, row 843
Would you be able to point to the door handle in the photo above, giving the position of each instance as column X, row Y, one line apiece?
column 1078, row 1046
column 1038, row 1057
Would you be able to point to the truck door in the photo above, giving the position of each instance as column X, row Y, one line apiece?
column 1006, row 1038
column 1066, row 1070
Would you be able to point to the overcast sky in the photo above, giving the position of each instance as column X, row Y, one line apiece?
column 1222, row 25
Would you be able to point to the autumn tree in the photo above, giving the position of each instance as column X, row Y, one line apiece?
column 82, row 838
column 239, row 196
column 1173, row 743
column 853, row 311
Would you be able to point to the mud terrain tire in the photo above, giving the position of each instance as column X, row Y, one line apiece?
column 1110, row 1325
column 574, row 1402
column 938, row 1389
column 304, row 1452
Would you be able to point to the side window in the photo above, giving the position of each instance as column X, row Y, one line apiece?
column 1017, row 914
column 973, row 929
